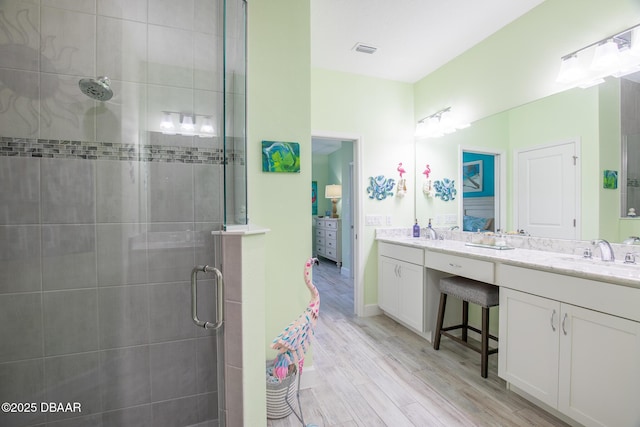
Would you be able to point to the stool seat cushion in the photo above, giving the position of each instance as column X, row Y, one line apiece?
column 471, row 290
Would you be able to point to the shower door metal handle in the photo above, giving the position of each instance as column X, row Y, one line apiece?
column 219, row 297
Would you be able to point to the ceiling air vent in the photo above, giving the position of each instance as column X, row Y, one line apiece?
column 363, row 48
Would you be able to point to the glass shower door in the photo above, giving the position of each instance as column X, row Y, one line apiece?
column 105, row 207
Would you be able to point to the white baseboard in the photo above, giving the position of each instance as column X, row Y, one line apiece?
column 309, row 378
column 346, row 272
column 371, row 310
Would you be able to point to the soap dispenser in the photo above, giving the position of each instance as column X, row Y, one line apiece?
column 416, row 229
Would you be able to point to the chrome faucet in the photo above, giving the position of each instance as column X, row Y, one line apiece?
column 431, row 233
column 606, row 251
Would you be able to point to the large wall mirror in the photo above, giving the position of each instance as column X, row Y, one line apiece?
column 592, row 117
column 630, row 130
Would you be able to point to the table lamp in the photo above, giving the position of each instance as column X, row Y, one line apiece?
column 333, row 192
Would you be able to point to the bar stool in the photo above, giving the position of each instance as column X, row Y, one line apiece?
column 468, row 290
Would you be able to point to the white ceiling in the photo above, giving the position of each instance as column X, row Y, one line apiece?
column 413, row 37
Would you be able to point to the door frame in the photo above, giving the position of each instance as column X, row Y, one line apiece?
column 357, row 206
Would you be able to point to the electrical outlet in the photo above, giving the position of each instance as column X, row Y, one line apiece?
column 451, row 219
column 373, row 220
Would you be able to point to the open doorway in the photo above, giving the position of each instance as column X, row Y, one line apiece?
column 335, row 162
column 484, row 189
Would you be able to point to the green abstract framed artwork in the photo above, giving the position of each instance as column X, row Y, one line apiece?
column 610, row 179
column 278, row 156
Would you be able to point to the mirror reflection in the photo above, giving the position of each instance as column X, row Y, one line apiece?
column 630, row 129
column 478, row 192
column 591, row 119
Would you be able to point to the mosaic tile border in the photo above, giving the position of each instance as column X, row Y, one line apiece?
column 65, row 149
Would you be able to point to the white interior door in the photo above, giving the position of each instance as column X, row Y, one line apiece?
column 547, row 191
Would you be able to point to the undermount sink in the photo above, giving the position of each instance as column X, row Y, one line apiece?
column 598, row 261
column 596, row 265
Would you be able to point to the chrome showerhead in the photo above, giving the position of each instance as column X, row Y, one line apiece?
column 99, row 89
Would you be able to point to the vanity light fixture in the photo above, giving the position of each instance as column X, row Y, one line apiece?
column 188, row 123
column 616, row 56
column 438, row 124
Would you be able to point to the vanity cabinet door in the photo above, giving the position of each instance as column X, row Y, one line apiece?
column 411, row 296
column 529, row 344
column 401, row 291
column 599, row 368
column 388, row 285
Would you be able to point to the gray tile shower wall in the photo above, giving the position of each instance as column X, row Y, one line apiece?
column 102, row 216
column 95, row 260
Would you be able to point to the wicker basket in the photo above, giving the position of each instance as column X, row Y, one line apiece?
column 276, row 397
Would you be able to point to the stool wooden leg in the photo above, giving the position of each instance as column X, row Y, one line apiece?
column 484, row 364
column 465, row 320
column 437, row 334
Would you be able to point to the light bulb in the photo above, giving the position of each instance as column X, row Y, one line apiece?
column 570, row 71
column 207, row 126
column 606, row 57
column 166, row 124
column 187, row 123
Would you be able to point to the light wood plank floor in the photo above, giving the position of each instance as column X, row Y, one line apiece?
column 374, row 372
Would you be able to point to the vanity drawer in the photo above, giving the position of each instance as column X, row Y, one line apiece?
column 331, row 243
column 330, row 252
column 331, row 234
column 320, row 233
column 402, row 253
column 319, row 222
column 482, row 271
column 320, row 241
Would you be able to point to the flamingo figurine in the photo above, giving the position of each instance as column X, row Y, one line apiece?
column 294, row 341
column 426, row 172
column 401, row 169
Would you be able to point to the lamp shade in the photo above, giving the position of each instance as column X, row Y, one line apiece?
column 333, row 191
column 606, row 57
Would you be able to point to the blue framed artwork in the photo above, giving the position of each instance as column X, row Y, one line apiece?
column 278, row 156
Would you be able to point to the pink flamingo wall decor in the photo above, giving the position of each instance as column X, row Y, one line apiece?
column 401, row 170
column 427, row 171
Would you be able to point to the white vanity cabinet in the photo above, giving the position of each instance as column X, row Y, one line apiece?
column 583, row 362
column 401, row 283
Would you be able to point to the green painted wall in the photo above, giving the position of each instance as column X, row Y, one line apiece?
column 320, row 168
column 519, row 63
column 279, row 109
column 380, row 113
column 514, row 68
column 561, row 117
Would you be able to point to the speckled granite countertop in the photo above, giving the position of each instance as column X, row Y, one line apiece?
column 551, row 255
